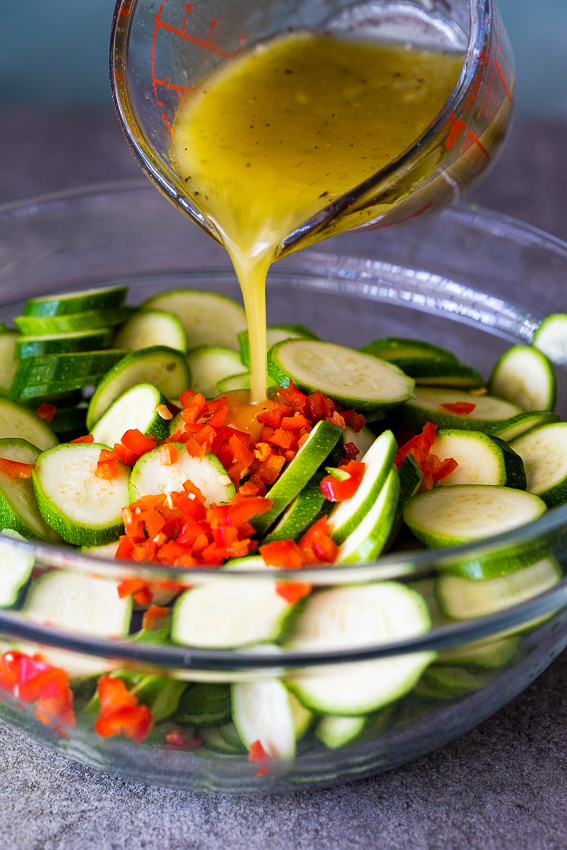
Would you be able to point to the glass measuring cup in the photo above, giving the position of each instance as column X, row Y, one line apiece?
column 161, row 49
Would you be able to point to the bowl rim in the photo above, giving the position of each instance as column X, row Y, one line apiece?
column 388, row 566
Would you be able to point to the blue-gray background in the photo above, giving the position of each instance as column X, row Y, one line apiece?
column 54, row 53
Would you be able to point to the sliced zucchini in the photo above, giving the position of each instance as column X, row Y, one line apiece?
column 347, row 515
column 334, row 731
column 240, row 381
column 223, row 614
column 18, row 506
column 58, row 373
column 371, row 535
column 83, row 508
column 205, row 705
column 150, row 476
column 148, row 328
column 15, row 568
column 163, row 367
column 551, row 337
column 65, row 343
column 262, row 712
column 448, row 516
column 482, row 459
column 352, row 378
column 456, row 681
column 209, row 364
column 411, row 482
column 465, row 599
column 274, row 334
column 359, row 615
column 72, row 323
column 160, row 693
column 78, row 603
column 321, row 441
column 214, row 741
column 524, row 376
column 427, row 406
column 522, row 423
column 208, row 318
column 107, row 551
column 8, row 364
column 107, row 298
column 399, row 348
column 301, row 513
column 544, row 452
column 18, row 421
column 229, row 734
column 136, row 408
column 481, row 655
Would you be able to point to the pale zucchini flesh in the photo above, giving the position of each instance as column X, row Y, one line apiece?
column 18, row 421
column 19, row 510
column 481, row 459
column 151, row 477
column 426, row 406
column 137, row 409
column 351, row 377
column 148, row 328
column 448, row 516
column 211, row 364
column 208, row 318
column 524, row 376
column 544, row 452
column 262, row 712
column 357, row 616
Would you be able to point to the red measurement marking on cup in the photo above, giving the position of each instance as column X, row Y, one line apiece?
column 180, row 32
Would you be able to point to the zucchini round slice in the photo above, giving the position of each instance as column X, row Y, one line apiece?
column 58, row 373
column 358, row 616
column 372, row 533
column 136, row 408
column 18, row 421
column 544, row 452
column 210, row 364
column 524, row 376
column 79, row 603
column 399, row 348
column 262, row 712
column 208, row 318
column 228, row 614
column 301, row 513
column 362, row 439
column 427, row 406
column 83, row 508
column 107, row 298
column 482, row 459
column 150, row 476
column 347, row 515
column 352, row 378
column 18, row 505
column 448, row 516
column 15, row 569
column 8, row 365
column 240, row 381
column 334, row 731
column 464, row 598
column 522, row 423
column 163, row 367
column 205, row 705
column 67, row 343
column 148, row 328
column 321, row 441
column 551, row 337
column 72, row 323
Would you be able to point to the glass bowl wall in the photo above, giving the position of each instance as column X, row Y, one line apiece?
column 471, row 280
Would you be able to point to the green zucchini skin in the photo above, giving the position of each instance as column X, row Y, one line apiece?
column 90, row 340
column 72, row 323
column 107, row 298
column 58, row 373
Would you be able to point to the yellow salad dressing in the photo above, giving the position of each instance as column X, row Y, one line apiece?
column 272, row 137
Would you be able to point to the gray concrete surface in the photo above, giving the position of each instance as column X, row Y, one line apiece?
column 502, row 786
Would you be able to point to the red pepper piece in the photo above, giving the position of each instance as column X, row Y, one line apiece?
column 337, row 491
column 291, row 591
column 356, row 420
column 292, row 397
column 282, row 553
column 153, row 617
column 46, row 412
column 107, row 466
column 419, row 446
column 88, row 438
column 257, row 753
column 462, row 408
column 136, row 442
column 168, row 454
column 15, row 469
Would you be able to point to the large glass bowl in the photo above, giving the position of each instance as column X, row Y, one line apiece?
column 469, row 279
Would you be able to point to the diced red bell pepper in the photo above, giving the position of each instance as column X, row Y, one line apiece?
column 133, row 722
column 282, row 553
column 419, row 446
column 107, row 466
column 338, row 491
column 291, row 591
column 88, row 438
column 461, row 408
column 46, row 412
column 257, row 753
column 317, row 544
column 356, row 420
column 15, row 469
column 168, row 454
column 153, row 617
column 136, row 442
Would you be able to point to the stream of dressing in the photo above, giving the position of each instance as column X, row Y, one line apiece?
column 271, row 138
